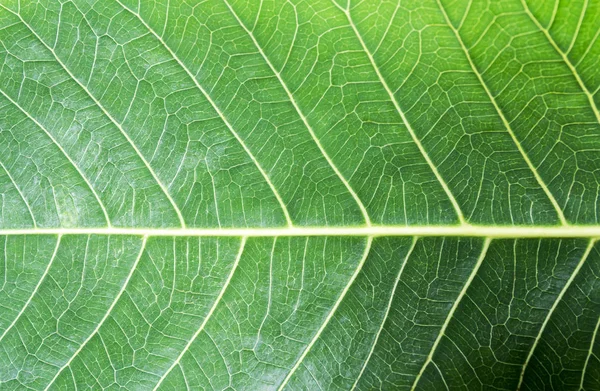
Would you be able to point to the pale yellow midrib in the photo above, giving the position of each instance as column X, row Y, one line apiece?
column 488, row 231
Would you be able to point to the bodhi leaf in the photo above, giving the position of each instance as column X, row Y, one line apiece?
column 299, row 195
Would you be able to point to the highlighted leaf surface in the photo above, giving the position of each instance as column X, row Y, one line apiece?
column 299, row 195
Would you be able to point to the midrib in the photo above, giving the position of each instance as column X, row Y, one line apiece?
column 591, row 231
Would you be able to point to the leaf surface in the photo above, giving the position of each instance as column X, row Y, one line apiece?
column 299, row 195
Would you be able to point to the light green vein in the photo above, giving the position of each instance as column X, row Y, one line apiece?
column 208, row 315
column 106, row 314
column 510, row 231
column 110, row 117
column 303, row 118
column 219, row 113
column 565, row 59
column 462, row 293
column 411, row 131
column 329, row 315
column 590, row 353
column 62, row 150
column 552, row 309
column 37, row 287
column 531, row 166
column 387, row 312
column 20, row 193
column 578, row 28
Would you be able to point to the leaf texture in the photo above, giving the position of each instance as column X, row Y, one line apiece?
column 292, row 195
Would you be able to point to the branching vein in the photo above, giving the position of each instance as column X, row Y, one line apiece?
column 552, row 309
column 393, row 99
column 109, row 116
column 462, row 293
column 565, row 58
column 106, row 314
column 220, row 114
column 304, row 119
column 37, row 287
column 208, row 315
column 531, row 166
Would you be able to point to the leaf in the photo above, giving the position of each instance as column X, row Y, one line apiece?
column 299, row 195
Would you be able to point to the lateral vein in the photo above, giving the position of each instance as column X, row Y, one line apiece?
column 329, row 315
column 590, row 353
column 208, row 315
column 109, row 116
column 553, row 308
column 37, row 287
column 219, row 113
column 303, row 118
column 505, row 122
column 387, row 312
column 565, row 59
column 20, row 193
column 85, row 179
column 462, row 293
column 411, row 131
column 106, row 314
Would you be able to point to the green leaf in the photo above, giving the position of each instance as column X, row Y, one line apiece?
column 299, row 195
